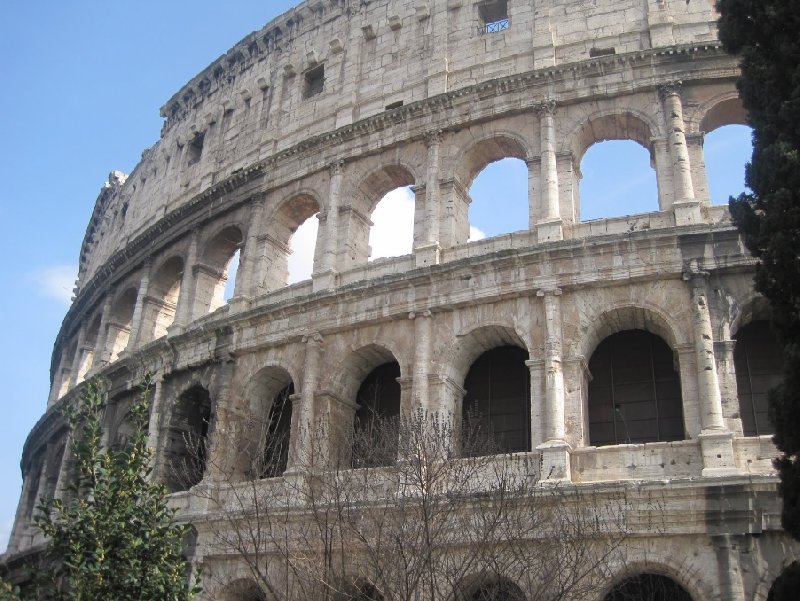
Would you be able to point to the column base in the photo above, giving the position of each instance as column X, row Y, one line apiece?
column 717, row 449
column 687, row 212
column 323, row 280
column 555, row 461
column 549, row 231
column 427, row 254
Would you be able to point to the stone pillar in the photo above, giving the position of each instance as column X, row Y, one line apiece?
column 246, row 277
column 77, row 359
column 555, row 449
column 726, row 372
column 183, row 311
column 697, row 159
column 427, row 252
column 102, row 352
column 220, row 457
column 137, row 335
column 549, row 226
column 422, row 361
column 663, row 167
column 715, row 439
column 57, row 389
column 325, row 279
column 730, row 570
column 64, row 471
column 536, row 368
column 534, row 165
column 339, row 413
column 23, row 515
column 687, row 209
column 305, row 430
column 448, row 406
column 157, row 429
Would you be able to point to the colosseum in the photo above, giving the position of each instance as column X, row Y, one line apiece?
column 620, row 364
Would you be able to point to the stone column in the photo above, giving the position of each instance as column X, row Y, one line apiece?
column 325, row 279
column 77, row 360
column 137, row 335
column 715, row 439
column 726, row 372
column 555, row 449
column 422, row 361
column 697, row 159
column 305, row 433
column 663, row 167
column 427, row 252
column 549, row 226
column 534, row 165
column 102, row 352
column 536, row 368
column 57, row 389
column 183, row 311
column 157, row 429
column 246, row 277
column 729, row 567
column 687, row 209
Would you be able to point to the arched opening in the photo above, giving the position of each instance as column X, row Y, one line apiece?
column 163, row 298
column 727, row 150
column 618, row 179
column 648, row 587
column 392, row 231
column 758, row 361
column 242, row 590
column 302, row 247
column 635, row 391
column 265, row 439
column 217, row 267
column 90, row 347
column 497, row 403
column 499, row 196
column 361, row 590
column 376, row 432
column 187, row 434
column 119, row 323
column 497, row 590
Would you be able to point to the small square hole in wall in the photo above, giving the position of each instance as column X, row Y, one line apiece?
column 314, row 81
column 195, row 149
column 494, row 15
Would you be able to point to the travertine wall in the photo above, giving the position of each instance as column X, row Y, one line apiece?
column 244, row 158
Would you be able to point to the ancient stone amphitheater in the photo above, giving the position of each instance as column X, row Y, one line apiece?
column 625, row 357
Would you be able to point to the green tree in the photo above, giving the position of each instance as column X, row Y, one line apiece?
column 764, row 33
column 116, row 537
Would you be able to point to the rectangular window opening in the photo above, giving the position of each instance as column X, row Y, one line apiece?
column 593, row 52
column 394, row 105
column 494, row 15
column 195, row 149
column 314, row 81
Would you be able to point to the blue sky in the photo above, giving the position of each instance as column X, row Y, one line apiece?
column 82, row 85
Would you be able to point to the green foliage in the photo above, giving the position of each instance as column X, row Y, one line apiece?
column 764, row 33
column 115, row 538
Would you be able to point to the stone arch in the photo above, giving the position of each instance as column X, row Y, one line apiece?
column 263, row 437
column 487, row 587
column 282, row 223
column 360, row 589
column 488, row 149
column 457, row 359
column 90, row 345
column 627, row 124
column 211, row 275
column 241, row 589
column 754, row 308
column 186, row 444
column 355, row 218
column 357, row 366
column 120, row 321
column 693, row 587
column 725, row 109
column 162, row 301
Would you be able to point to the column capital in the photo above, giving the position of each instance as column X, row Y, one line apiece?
column 546, row 108
column 672, row 88
column 549, row 292
column 336, row 167
column 433, row 137
column 423, row 313
column 312, row 338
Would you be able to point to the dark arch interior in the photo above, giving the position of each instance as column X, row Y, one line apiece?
column 758, row 362
column 275, row 457
column 648, row 587
column 186, row 439
column 635, row 391
column 376, row 420
column 498, row 401
column 502, row 590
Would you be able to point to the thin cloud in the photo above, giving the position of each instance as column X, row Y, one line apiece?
column 476, row 234
column 56, row 282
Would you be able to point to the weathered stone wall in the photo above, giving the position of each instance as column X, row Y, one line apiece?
column 245, row 158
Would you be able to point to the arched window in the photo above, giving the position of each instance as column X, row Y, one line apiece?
column 275, row 457
column 392, row 231
column 618, row 179
column 499, row 199
column 185, row 449
column 217, row 267
column 498, row 401
column 635, row 391
column 726, row 151
column 758, row 361
column 377, row 418
column 302, row 247
column 163, row 293
column 119, row 326
column 500, row 590
column 648, row 587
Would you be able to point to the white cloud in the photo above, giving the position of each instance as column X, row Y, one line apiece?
column 393, row 232
column 301, row 261
column 56, row 281
column 476, row 234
